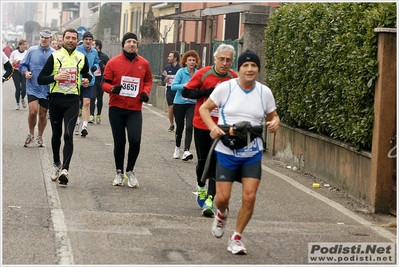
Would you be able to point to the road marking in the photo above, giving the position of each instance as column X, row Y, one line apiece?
column 384, row 233
column 62, row 243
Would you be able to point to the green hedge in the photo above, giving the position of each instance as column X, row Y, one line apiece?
column 321, row 64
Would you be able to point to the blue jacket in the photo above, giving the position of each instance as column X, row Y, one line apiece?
column 34, row 61
column 181, row 78
column 92, row 57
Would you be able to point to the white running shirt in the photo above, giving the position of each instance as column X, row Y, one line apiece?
column 236, row 105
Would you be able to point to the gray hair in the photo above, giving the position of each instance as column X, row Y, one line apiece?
column 225, row 48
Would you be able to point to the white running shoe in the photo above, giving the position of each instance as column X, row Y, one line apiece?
column 29, row 140
column 187, row 156
column 23, row 103
column 131, row 179
column 55, row 172
column 77, row 132
column 236, row 246
column 39, row 141
column 219, row 224
column 118, row 178
column 176, row 155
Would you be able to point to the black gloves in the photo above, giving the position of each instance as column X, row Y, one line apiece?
column 144, row 97
column 93, row 69
column 196, row 94
column 116, row 89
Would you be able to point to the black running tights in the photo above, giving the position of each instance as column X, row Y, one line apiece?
column 20, row 85
column 181, row 112
column 97, row 93
column 203, row 143
column 122, row 120
column 63, row 109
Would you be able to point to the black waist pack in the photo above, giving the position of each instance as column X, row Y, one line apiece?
column 238, row 135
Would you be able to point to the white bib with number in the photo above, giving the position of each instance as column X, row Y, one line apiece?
column 71, row 81
column 130, row 86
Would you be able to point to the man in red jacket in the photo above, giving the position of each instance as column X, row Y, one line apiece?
column 200, row 87
column 128, row 81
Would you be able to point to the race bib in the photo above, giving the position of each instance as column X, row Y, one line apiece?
column 71, row 81
column 170, row 79
column 215, row 112
column 248, row 151
column 97, row 72
column 130, row 86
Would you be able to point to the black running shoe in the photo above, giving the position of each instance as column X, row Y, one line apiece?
column 63, row 178
column 84, row 132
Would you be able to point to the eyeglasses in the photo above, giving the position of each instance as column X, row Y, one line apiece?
column 132, row 41
column 222, row 59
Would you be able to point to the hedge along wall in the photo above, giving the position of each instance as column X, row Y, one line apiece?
column 321, row 64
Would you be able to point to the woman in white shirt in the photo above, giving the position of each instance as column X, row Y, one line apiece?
column 19, row 80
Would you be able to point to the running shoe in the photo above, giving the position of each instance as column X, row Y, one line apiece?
column 23, row 103
column 131, row 179
column 236, row 246
column 76, row 129
column 91, row 120
column 171, row 128
column 118, row 181
column 29, row 140
column 219, row 224
column 63, row 177
column 207, row 209
column 55, row 172
column 201, row 196
column 176, row 155
column 39, row 141
column 84, row 132
column 187, row 156
column 17, row 106
column 98, row 119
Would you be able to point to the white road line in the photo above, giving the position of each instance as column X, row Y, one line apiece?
column 381, row 231
column 384, row 233
column 62, row 243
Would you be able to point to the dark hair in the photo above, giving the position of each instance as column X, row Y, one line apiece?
column 190, row 53
column 176, row 55
column 21, row 42
column 99, row 44
column 70, row 30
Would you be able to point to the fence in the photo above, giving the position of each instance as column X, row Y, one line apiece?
column 157, row 53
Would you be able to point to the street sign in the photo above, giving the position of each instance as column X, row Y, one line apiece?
column 81, row 30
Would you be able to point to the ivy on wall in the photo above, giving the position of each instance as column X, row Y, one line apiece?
column 321, row 64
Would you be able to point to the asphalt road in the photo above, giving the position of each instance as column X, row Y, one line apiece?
column 91, row 222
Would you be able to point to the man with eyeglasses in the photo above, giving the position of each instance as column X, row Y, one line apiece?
column 128, row 81
column 200, row 87
column 38, row 103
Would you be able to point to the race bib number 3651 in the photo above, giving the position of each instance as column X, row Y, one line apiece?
column 130, row 86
